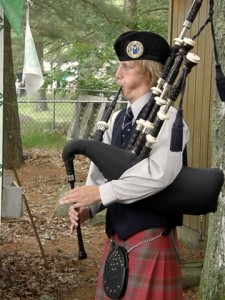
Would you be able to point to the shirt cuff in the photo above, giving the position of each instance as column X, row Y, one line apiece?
column 107, row 194
column 94, row 209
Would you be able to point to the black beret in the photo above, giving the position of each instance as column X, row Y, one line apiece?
column 140, row 45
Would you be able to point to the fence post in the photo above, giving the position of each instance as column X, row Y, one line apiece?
column 86, row 118
column 73, row 130
column 53, row 109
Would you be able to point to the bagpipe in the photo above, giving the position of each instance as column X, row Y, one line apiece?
column 194, row 191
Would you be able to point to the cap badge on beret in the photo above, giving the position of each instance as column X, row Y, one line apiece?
column 135, row 49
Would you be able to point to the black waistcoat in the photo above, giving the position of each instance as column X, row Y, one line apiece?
column 128, row 219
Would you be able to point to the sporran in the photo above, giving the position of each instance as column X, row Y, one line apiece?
column 115, row 272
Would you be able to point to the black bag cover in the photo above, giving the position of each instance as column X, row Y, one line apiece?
column 194, row 191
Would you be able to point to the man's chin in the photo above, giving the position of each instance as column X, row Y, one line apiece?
column 123, row 92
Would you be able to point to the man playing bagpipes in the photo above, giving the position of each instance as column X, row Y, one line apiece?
column 141, row 242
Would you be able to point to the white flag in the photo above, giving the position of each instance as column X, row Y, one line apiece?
column 32, row 72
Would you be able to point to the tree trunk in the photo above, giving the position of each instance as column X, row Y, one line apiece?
column 212, row 285
column 41, row 104
column 12, row 150
column 130, row 7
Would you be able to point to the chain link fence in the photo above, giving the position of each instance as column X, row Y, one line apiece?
column 71, row 113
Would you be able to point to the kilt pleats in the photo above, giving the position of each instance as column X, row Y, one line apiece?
column 154, row 269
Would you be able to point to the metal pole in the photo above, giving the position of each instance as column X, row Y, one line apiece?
column 53, row 110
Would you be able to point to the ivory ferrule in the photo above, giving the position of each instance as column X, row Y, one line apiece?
column 160, row 101
column 147, row 127
column 163, row 116
column 156, row 90
column 140, row 124
column 102, row 125
column 150, row 140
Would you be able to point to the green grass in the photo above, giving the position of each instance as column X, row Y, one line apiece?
column 60, row 112
column 45, row 129
column 43, row 140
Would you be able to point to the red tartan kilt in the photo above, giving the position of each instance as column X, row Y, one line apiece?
column 154, row 269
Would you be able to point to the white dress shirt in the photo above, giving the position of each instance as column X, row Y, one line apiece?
column 149, row 176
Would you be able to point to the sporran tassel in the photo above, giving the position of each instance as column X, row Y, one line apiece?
column 176, row 142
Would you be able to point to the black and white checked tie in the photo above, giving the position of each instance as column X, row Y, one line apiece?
column 127, row 124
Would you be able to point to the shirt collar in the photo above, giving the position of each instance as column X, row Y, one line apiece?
column 139, row 104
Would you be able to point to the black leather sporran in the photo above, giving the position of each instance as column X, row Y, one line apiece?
column 115, row 272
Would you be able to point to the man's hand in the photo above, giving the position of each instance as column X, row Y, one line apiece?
column 78, row 216
column 81, row 196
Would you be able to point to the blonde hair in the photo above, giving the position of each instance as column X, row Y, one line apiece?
column 152, row 69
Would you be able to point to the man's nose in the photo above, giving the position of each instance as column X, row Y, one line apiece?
column 118, row 73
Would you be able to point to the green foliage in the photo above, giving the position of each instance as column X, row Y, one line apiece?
column 84, row 32
column 97, row 84
column 153, row 16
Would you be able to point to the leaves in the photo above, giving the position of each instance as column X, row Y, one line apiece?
column 85, row 32
column 13, row 11
column 23, row 274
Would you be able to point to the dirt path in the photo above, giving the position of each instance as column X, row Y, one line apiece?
column 23, row 272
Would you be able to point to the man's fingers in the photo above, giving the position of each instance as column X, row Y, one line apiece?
column 72, row 228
